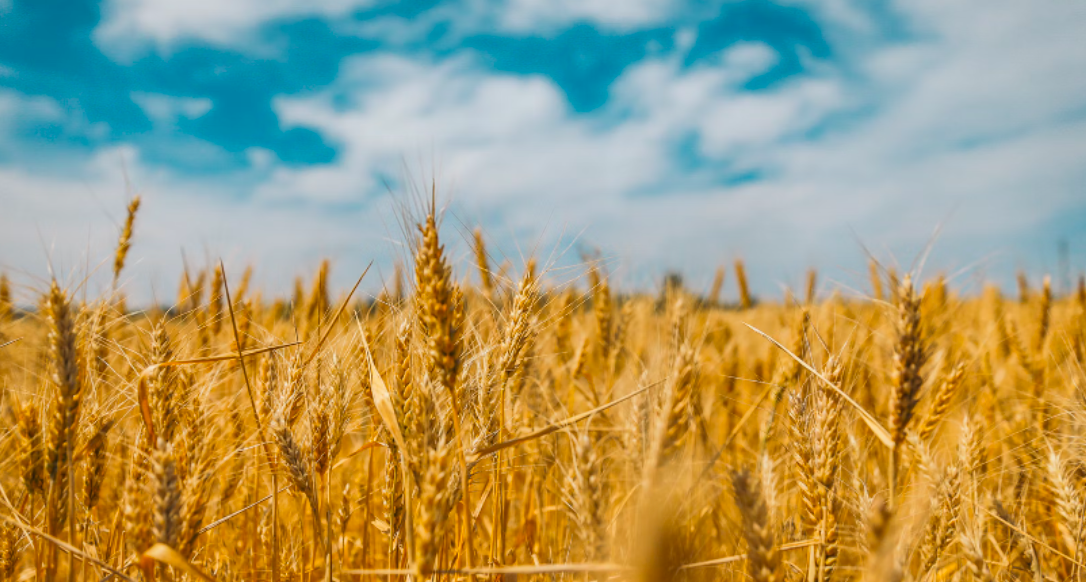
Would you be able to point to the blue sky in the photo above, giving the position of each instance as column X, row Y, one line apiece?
column 667, row 134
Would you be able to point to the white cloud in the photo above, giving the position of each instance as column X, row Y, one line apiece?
column 969, row 123
column 508, row 130
column 17, row 107
column 977, row 118
column 533, row 15
column 168, row 108
column 22, row 112
column 126, row 24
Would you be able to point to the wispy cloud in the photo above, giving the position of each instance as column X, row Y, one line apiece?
column 129, row 25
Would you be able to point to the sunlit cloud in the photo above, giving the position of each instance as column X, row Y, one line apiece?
column 794, row 134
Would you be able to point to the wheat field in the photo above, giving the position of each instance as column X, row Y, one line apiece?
column 472, row 423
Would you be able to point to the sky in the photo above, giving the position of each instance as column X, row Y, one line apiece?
column 666, row 136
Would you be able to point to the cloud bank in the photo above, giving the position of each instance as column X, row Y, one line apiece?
column 791, row 134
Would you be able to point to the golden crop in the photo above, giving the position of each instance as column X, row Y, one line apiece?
column 542, row 430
